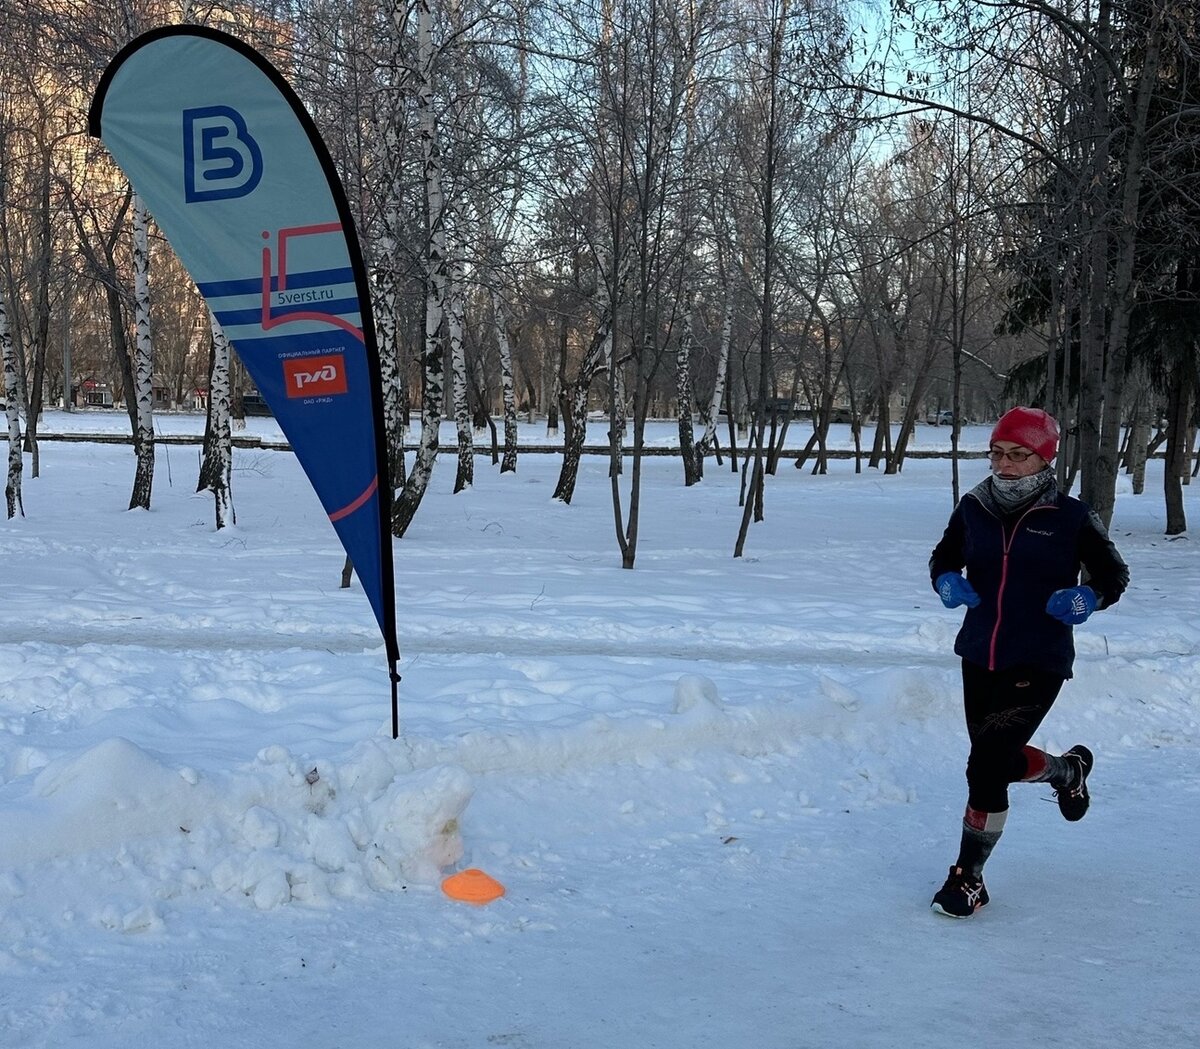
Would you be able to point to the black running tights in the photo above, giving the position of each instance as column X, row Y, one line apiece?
column 1004, row 709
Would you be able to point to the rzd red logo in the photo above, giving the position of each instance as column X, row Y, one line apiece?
column 314, row 376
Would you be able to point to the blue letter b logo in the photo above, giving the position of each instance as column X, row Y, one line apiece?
column 220, row 158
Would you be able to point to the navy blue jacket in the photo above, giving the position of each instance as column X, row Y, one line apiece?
column 1015, row 562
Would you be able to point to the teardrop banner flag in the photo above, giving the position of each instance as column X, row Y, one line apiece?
column 235, row 174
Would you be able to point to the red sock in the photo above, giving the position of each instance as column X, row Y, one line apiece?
column 1041, row 767
column 1037, row 764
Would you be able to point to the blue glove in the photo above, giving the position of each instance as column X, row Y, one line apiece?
column 954, row 590
column 1073, row 605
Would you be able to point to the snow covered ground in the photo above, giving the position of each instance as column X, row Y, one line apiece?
column 719, row 792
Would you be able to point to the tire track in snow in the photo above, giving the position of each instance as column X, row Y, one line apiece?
column 838, row 651
column 563, row 646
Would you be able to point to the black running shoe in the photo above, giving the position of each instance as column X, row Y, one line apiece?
column 1073, row 799
column 961, row 896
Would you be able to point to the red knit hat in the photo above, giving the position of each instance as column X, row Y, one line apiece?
column 1031, row 428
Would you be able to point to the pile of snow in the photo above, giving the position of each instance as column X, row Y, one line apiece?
column 278, row 831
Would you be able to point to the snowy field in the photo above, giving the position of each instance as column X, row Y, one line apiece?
column 720, row 793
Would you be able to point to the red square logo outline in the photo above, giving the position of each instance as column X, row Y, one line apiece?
column 315, row 376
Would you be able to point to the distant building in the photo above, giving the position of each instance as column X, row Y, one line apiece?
column 160, row 395
column 253, row 404
column 91, row 393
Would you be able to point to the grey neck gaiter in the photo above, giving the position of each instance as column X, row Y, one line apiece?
column 1015, row 493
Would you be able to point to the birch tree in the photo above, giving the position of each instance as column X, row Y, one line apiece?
column 508, row 383
column 385, row 268
column 683, row 388
column 455, row 314
column 456, row 224
column 141, row 409
column 717, row 174
column 688, row 87
column 596, row 192
column 216, row 471
column 12, row 484
column 765, row 59
column 435, row 268
column 35, row 122
column 710, row 410
column 498, row 189
column 9, row 364
column 574, row 401
column 653, row 93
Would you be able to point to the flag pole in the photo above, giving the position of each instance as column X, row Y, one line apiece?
column 395, row 700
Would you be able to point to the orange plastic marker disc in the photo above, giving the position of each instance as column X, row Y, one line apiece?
column 472, row 886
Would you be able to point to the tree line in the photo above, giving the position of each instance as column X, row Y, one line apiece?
column 720, row 210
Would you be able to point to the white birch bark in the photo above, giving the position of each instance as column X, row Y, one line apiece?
column 683, row 390
column 688, row 88
column 616, row 416
column 508, row 384
column 385, row 254
column 456, row 220
column 493, row 241
column 143, row 360
column 395, row 401
column 433, row 358
column 713, row 409
column 12, row 485
column 455, row 315
column 222, row 447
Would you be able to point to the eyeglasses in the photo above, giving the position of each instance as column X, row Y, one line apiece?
column 1013, row 455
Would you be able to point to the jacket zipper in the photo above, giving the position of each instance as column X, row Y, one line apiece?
column 1007, row 542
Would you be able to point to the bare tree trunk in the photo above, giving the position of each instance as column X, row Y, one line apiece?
column 500, row 311
column 208, row 460
column 708, row 438
column 395, row 409
column 216, row 472
column 390, row 105
column 732, row 426
column 755, row 503
column 12, row 485
column 436, row 278
column 409, row 499
column 824, row 412
column 617, row 418
column 920, row 380
column 556, row 397
column 574, row 413
column 881, row 447
column 683, row 388
column 237, row 386
column 143, row 361
column 1100, row 482
column 575, row 409
column 1138, row 440
column 627, row 531
column 12, row 365
column 1179, row 437
column 41, row 308
column 456, row 307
